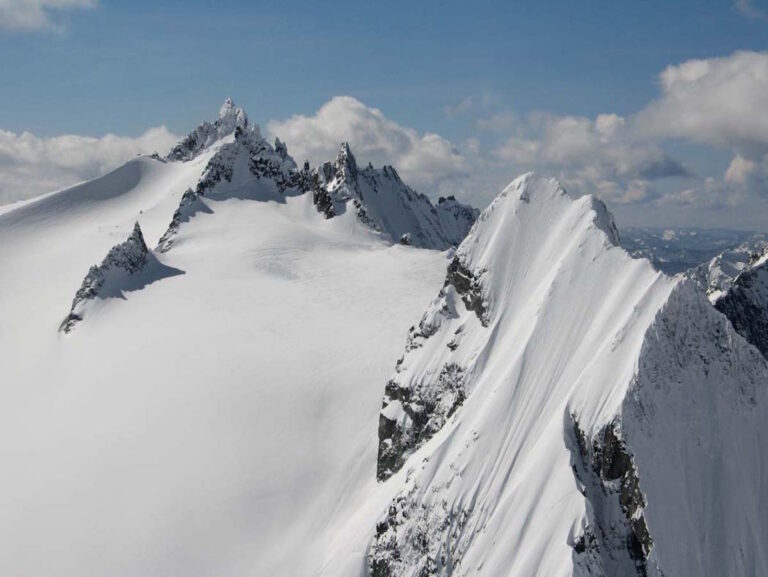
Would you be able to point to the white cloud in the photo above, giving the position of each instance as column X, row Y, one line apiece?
column 428, row 162
column 719, row 101
column 30, row 165
column 590, row 155
column 28, row 15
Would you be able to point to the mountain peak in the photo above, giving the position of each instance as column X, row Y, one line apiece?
column 345, row 161
column 532, row 188
column 231, row 118
column 226, row 107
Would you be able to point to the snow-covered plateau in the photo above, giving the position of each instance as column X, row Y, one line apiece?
column 208, row 370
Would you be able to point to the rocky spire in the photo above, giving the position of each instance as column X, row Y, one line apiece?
column 231, row 119
column 281, row 148
column 346, row 165
column 129, row 256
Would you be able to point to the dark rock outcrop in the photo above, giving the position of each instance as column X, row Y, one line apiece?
column 617, row 537
column 382, row 201
column 231, row 118
column 417, row 538
column 746, row 306
column 468, row 286
column 130, row 256
column 411, row 416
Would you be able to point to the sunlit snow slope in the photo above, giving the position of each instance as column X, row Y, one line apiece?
column 216, row 421
column 214, row 407
column 563, row 409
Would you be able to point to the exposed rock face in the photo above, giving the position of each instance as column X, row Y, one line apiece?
column 412, row 415
column 248, row 167
column 617, row 537
column 417, row 540
column 190, row 204
column 467, row 284
column 385, row 203
column 130, row 256
column 379, row 198
column 745, row 303
column 231, row 118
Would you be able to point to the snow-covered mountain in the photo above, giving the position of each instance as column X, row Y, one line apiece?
column 736, row 282
column 381, row 199
column 230, row 118
column 211, row 401
column 563, row 409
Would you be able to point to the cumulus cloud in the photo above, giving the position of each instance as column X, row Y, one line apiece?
column 718, row 101
column 592, row 155
column 427, row 161
column 29, row 15
column 30, row 165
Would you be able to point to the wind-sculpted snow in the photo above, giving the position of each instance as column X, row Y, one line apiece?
column 384, row 202
column 583, row 368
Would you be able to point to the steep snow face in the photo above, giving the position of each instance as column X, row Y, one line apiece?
column 695, row 422
column 231, row 118
column 535, row 394
column 383, row 201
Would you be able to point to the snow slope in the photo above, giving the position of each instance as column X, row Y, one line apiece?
column 563, row 409
column 207, row 422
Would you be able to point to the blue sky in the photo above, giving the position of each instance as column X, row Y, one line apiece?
column 448, row 68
